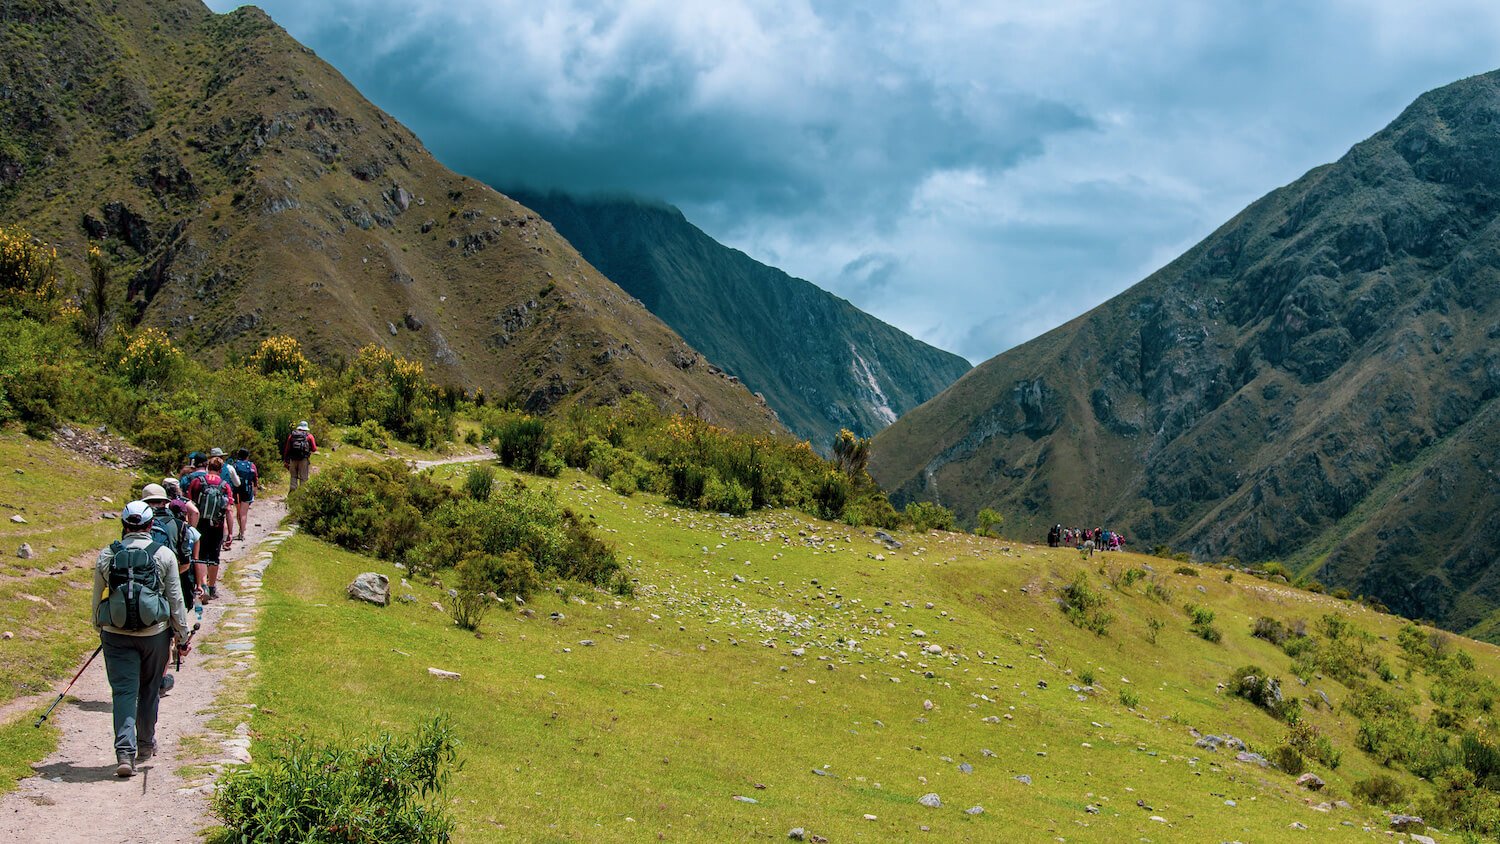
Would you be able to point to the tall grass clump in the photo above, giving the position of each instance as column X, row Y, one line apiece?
column 390, row 789
column 1084, row 606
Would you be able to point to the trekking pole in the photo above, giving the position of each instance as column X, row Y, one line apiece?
column 177, row 648
column 70, row 686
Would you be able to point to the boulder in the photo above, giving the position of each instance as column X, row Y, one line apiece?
column 25, row 552
column 1407, row 823
column 371, row 587
column 1310, row 781
column 932, row 801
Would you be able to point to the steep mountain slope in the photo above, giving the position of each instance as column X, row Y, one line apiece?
column 821, row 363
column 250, row 190
column 1316, row 380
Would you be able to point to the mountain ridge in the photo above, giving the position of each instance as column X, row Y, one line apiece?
column 1248, row 396
column 822, row 363
column 247, row 190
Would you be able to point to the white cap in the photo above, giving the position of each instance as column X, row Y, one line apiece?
column 137, row 514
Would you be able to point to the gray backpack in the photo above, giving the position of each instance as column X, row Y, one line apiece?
column 135, row 599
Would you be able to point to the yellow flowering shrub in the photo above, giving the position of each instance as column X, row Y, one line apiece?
column 281, row 355
column 29, row 276
column 151, row 360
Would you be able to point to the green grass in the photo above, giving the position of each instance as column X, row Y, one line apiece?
column 682, row 704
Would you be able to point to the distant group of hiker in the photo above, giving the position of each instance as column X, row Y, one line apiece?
column 165, row 564
column 1086, row 540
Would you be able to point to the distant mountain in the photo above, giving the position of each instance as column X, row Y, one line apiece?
column 248, row 189
column 820, row 362
column 1314, row 382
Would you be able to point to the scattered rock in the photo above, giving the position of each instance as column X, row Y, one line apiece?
column 7, row 635
column 1252, row 758
column 370, row 587
column 443, row 675
column 965, row 768
column 25, row 552
column 1297, row 825
column 1311, row 781
column 1024, row 779
column 974, row 810
column 1421, row 839
column 743, row 799
column 931, row 801
column 18, row 519
column 1407, row 823
column 797, row 833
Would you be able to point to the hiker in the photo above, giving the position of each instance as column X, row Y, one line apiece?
column 137, row 608
column 214, row 498
column 196, row 462
column 180, row 502
column 297, row 452
column 1054, row 536
column 170, row 528
column 232, row 478
column 244, row 491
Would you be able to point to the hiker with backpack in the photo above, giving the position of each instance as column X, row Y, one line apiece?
column 232, row 478
column 214, row 498
column 297, row 452
column 137, row 608
column 244, row 491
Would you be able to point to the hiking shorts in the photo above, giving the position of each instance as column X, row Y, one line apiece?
column 244, row 496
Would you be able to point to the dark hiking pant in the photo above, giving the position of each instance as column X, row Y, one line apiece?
column 135, row 665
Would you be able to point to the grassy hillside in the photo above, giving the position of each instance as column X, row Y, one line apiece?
column 826, row 677
column 821, row 363
column 1316, row 381
column 242, row 189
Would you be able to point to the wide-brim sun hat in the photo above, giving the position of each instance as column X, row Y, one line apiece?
column 302, row 426
column 216, row 452
column 154, row 492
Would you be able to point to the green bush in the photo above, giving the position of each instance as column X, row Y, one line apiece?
column 1201, row 622
column 1129, row 698
column 1381, row 790
column 1159, row 590
column 1186, row 570
column 925, row 516
column 392, row 789
column 1154, row 626
column 379, row 507
column 1288, row 760
column 623, row 483
column 1253, row 684
column 831, row 495
column 724, row 497
column 480, row 482
column 368, row 435
column 1132, row 576
column 521, row 442
column 1311, row 742
column 1084, row 606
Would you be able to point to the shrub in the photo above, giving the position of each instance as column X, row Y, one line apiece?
column 1129, row 698
column 1132, row 576
column 1288, row 760
column 724, row 497
column 1253, row 684
column 1086, row 676
column 623, row 483
column 1159, row 590
column 989, row 522
column 368, row 435
column 472, row 601
column 1310, row 742
column 1270, row 629
column 281, row 356
column 1381, row 790
column 521, row 442
column 1084, row 606
column 925, row 516
column 1202, row 623
column 1154, row 627
column 379, row 507
column 1186, row 570
column 1275, row 569
column 391, row 789
column 831, row 495
column 480, row 482
column 151, row 361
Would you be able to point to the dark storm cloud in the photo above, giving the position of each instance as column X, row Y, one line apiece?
column 975, row 173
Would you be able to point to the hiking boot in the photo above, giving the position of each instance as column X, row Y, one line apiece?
column 213, row 593
column 145, row 753
column 167, row 682
column 125, row 768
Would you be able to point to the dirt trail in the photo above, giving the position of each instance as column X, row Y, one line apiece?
column 75, row 795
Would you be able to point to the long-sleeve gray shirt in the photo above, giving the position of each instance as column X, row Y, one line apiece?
column 171, row 587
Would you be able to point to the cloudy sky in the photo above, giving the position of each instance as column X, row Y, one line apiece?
column 972, row 172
